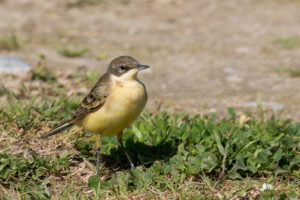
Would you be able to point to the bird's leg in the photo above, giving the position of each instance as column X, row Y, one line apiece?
column 123, row 148
column 98, row 146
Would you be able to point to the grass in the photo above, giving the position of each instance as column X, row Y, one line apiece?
column 71, row 53
column 80, row 3
column 294, row 73
column 287, row 42
column 41, row 72
column 178, row 156
column 101, row 56
column 9, row 42
column 88, row 79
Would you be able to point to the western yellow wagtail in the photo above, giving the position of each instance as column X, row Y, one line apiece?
column 112, row 105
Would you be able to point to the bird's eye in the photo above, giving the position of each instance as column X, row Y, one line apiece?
column 122, row 67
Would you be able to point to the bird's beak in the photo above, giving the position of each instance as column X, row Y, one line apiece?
column 140, row 67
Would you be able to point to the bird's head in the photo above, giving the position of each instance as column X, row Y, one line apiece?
column 125, row 67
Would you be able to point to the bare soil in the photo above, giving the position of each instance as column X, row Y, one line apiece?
column 205, row 55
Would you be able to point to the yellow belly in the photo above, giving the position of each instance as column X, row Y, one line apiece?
column 121, row 108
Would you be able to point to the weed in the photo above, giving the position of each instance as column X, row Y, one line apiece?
column 101, row 56
column 41, row 72
column 187, row 146
column 9, row 42
column 292, row 72
column 80, row 3
column 287, row 42
column 73, row 52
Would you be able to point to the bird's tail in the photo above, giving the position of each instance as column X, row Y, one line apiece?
column 58, row 129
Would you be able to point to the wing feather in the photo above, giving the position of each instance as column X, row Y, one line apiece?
column 95, row 99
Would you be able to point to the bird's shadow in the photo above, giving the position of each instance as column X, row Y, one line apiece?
column 140, row 153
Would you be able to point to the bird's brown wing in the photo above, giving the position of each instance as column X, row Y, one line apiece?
column 95, row 99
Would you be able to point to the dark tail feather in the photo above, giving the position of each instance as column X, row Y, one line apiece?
column 59, row 129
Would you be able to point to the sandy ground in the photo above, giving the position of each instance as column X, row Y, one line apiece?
column 205, row 55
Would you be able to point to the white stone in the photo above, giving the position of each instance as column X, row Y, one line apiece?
column 13, row 65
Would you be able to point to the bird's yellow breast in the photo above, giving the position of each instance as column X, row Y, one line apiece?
column 125, row 102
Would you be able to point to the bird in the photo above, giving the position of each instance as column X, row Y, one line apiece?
column 114, row 102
